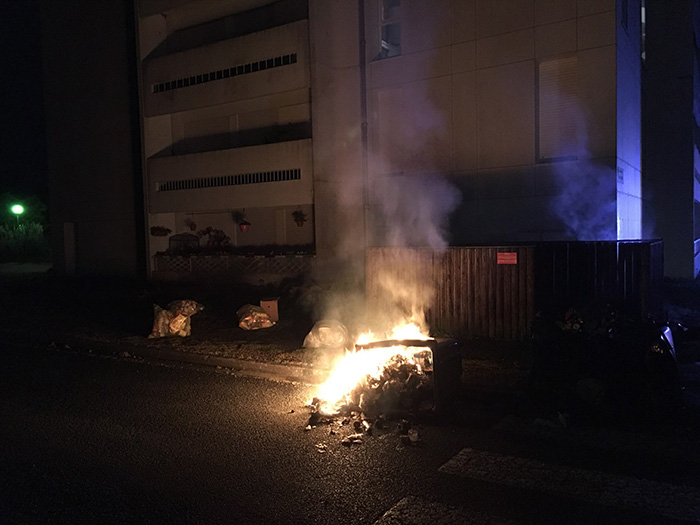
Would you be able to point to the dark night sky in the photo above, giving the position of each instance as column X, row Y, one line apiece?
column 22, row 143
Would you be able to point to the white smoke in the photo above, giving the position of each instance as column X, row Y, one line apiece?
column 415, row 210
column 586, row 201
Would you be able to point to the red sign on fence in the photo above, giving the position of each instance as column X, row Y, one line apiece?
column 507, row 258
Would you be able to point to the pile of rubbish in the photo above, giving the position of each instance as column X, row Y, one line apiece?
column 401, row 387
column 378, row 403
column 174, row 320
column 599, row 356
column 251, row 317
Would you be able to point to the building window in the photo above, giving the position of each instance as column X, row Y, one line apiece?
column 390, row 28
column 559, row 124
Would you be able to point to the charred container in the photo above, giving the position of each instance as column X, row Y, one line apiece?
column 439, row 359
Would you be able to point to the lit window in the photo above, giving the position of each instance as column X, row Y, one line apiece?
column 391, row 29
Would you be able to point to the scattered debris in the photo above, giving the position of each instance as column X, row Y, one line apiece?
column 361, row 426
column 353, row 439
column 322, row 447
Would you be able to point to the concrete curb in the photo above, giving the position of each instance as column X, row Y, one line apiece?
column 474, row 375
column 278, row 371
column 477, row 376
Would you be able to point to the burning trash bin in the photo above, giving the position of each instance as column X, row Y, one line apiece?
column 438, row 360
column 393, row 377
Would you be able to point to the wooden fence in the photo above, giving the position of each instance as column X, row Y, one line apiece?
column 475, row 291
column 627, row 274
column 494, row 291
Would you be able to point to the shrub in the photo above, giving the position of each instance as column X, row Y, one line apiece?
column 24, row 243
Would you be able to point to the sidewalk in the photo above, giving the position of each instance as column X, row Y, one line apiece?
column 114, row 318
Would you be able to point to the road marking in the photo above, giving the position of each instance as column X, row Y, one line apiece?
column 412, row 510
column 665, row 499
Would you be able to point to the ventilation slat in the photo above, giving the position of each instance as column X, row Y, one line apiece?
column 221, row 74
column 230, row 180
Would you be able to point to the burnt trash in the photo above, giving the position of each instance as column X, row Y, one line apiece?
column 317, row 417
column 429, row 382
column 353, row 439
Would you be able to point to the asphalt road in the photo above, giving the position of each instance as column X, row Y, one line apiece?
column 95, row 440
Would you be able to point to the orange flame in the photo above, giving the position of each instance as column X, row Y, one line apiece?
column 356, row 365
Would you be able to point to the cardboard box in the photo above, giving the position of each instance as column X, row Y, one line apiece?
column 270, row 307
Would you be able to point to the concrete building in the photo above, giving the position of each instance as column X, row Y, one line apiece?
column 671, row 118
column 92, row 136
column 226, row 108
column 384, row 122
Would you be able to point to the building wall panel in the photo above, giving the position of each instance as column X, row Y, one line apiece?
column 291, row 39
column 596, row 30
column 464, row 131
column 463, row 21
column 505, row 113
column 424, row 23
column 555, row 39
column 598, row 88
column 504, row 16
column 550, row 11
column 281, row 156
column 515, row 46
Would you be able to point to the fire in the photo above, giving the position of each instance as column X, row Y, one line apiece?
column 365, row 367
column 400, row 332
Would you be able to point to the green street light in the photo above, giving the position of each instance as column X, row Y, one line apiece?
column 18, row 210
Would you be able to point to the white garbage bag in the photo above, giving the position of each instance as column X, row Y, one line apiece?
column 327, row 333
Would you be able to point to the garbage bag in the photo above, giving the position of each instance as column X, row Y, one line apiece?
column 175, row 319
column 251, row 317
column 327, row 333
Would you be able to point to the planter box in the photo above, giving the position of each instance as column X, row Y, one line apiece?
column 252, row 270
